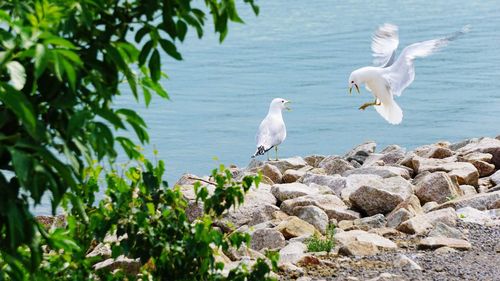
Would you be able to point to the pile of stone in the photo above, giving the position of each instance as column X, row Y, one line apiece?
column 378, row 201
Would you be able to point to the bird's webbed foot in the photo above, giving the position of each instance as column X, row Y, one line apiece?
column 364, row 106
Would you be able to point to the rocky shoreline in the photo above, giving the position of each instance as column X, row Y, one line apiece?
column 428, row 214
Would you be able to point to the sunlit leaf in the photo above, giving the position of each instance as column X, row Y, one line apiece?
column 17, row 74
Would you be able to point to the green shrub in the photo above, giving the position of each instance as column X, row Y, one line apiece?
column 320, row 244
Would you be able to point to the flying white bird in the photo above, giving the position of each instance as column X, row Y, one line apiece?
column 272, row 130
column 390, row 76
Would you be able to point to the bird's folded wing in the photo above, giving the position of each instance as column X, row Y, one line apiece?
column 264, row 137
column 385, row 41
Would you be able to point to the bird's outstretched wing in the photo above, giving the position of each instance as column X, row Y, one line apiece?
column 385, row 41
column 402, row 73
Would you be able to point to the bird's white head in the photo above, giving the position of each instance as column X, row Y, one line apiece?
column 354, row 81
column 279, row 104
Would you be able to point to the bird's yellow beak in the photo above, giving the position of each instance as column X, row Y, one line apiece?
column 357, row 89
column 286, row 105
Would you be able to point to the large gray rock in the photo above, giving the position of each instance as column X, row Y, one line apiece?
column 382, row 171
column 292, row 252
column 292, row 175
column 293, row 190
column 444, row 230
column 323, row 201
column 313, row 215
column 438, row 151
column 267, row 238
column 314, row 160
column 346, row 237
column 472, row 215
column 259, row 205
column 354, row 182
column 272, row 172
column 481, row 161
column 404, row 211
column 464, row 172
column 376, row 221
column 438, row 187
column 495, row 178
column 437, row 242
column 468, row 190
column 403, row 261
column 360, row 152
column 481, row 201
column 294, row 163
column 484, row 145
column 421, row 224
column 335, row 182
column 335, row 165
column 383, row 198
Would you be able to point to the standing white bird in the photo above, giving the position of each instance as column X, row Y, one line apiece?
column 272, row 130
column 390, row 76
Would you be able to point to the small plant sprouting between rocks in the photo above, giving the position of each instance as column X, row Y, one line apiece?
column 322, row 244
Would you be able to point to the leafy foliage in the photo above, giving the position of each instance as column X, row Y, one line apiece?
column 62, row 64
column 320, row 244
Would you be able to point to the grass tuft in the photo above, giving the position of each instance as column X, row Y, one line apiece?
column 322, row 244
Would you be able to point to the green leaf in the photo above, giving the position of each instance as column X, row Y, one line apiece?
column 41, row 60
column 50, row 39
column 147, row 95
column 17, row 74
column 141, row 33
column 146, row 49
column 20, row 105
column 70, row 73
column 170, row 48
column 129, row 147
column 154, row 65
column 181, row 30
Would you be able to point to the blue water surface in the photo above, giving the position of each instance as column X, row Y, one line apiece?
column 304, row 51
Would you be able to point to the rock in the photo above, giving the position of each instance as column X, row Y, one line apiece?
column 405, row 262
column 382, row 171
column 267, row 238
column 420, row 224
column 101, row 250
column 468, row 189
column 293, row 163
column 480, row 201
column 438, row 187
column 345, row 224
column 189, row 180
column 354, row 182
column 128, row 266
column 468, row 214
column 304, row 278
column 272, row 172
column 335, row 182
column 254, row 163
column 358, row 248
column 314, row 160
column 484, row 145
column 291, row 269
column 314, row 216
column 396, row 217
column 385, row 231
column 346, row 237
column 445, row 250
column 429, row 206
column 292, row 175
column 325, row 202
column 308, row 260
column 387, row 277
column 437, row 151
column 293, row 190
column 335, row 165
column 292, row 252
column 437, row 242
column 443, row 230
column 481, row 161
column 367, row 223
column 363, row 149
column 295, row 227
column 464, row 172
column 382, row 198
column 411, row 204
column 495, row 178
column 259, row 206
column 242, row 253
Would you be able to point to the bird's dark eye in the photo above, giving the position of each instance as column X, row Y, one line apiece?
column 352, row 81
column 282, row 101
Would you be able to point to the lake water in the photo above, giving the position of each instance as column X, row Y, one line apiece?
column 304, row 51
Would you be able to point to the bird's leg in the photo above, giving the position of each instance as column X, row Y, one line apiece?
column 375, row 102
column 276, row 149
column 267, row 153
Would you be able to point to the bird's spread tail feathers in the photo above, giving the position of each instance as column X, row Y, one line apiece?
column 391, row 112
column 260, row 151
